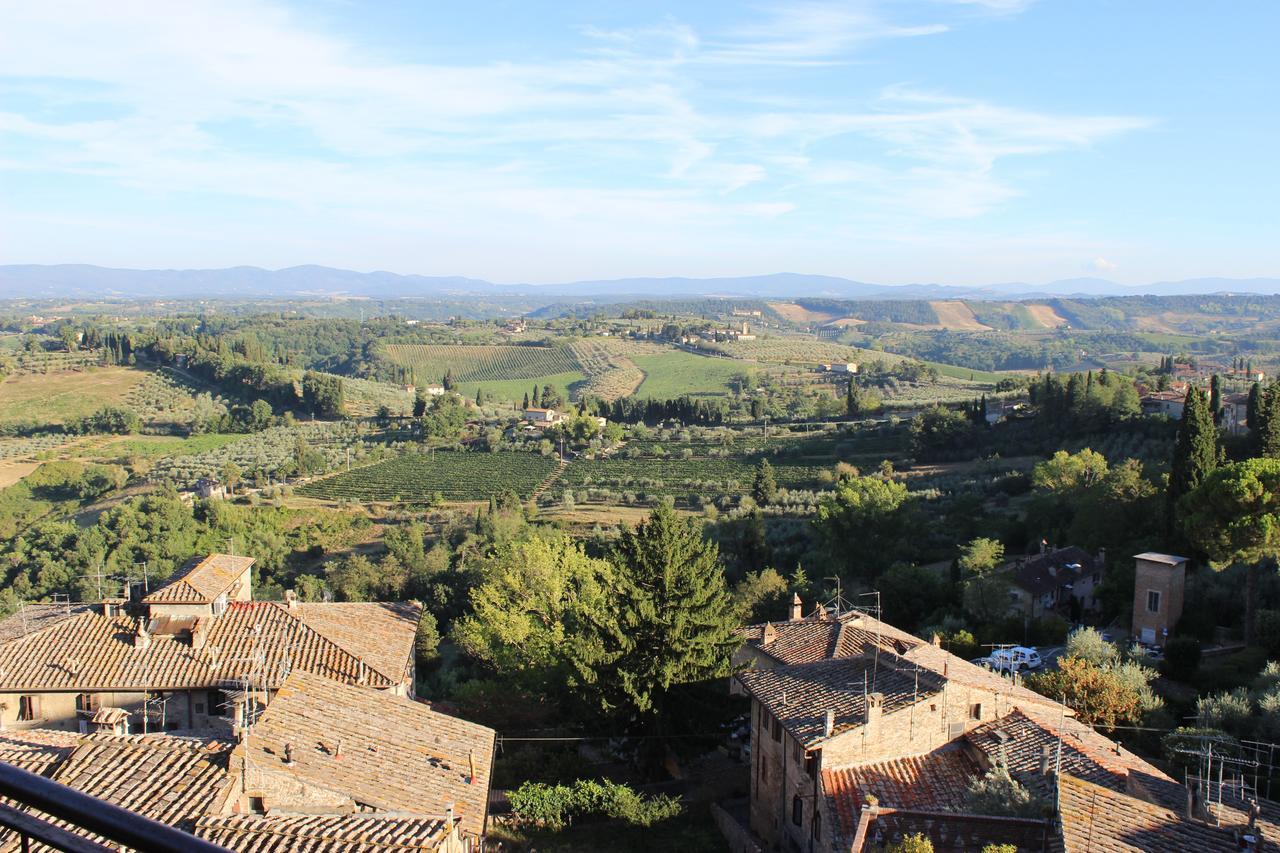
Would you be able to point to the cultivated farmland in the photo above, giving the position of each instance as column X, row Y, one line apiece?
column 456, row 475
column 430, row 362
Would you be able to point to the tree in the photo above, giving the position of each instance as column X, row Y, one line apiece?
column 1233, row 516
column 986, row 587
column 761, row 596
column 939, row 429
column 1195, row 453
column 862, row 523
column 323, row 394
column 916, row 842
column 1069, row 471
column 1215, row 399
column 765, row 488
column 860, row 401
column 1000, row 795
column 426, row 642
column 539, row 598
column 1265, row 423
column 671, row 620
column 230, row 474
column 1104, row 696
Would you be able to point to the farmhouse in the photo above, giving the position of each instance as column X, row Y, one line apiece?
column 191, row 654
column 433, row 390
column 542, row 417
column 1168, row 403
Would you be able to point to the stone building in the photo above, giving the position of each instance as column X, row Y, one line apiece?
column 191, row 654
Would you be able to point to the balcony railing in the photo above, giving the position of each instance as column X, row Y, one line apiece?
column 90, row 814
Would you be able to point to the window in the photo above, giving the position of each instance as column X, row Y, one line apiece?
column 811, row 765
column 28, row 708
column 220, row 605
column 256, row 806
column 214, row 702
column 87, row 703
column 797, row 810
column 797, row 754
column 975, row 712
column 1153, row 601
column 777, row 730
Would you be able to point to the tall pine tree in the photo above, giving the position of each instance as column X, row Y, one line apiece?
column 1195, row 454
column 672, row 621
column 1215, row 399
column 1265, row 423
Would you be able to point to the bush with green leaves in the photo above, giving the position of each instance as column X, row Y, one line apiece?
column 999, row 794
column 557, row 806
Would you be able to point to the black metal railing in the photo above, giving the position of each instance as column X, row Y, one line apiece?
column 79, row 810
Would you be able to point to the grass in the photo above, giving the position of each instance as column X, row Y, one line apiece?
column 56, row 398
column 457, row 476
column 675, row 373
column 156, row 446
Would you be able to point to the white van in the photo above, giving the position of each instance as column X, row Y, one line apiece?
column 1015, row 659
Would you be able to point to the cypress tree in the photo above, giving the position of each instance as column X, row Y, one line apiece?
column 1215, row 399
column 1195, row 453
column 672, row 621
column 765, row 487
column 526, row 401
column 1266, row 434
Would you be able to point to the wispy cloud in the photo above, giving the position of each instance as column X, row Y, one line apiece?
column 242, row 99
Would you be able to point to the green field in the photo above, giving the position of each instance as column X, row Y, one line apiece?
column 156, row 446
column 56, row 398
column 515, row 389
column 672, row 374
column 456, row 475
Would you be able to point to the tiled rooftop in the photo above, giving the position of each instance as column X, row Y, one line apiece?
column 36, row 750
column 169, row 779
column 34, row 617
column 800, row 696
column 858, row 635
column 202, row 581
column 1018, row 740
column 1044, row 573
column 1096, row 819
column 92, row 652
column 388, row 752
column 300, row 833
column 938, row 782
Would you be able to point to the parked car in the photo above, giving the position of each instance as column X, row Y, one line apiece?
column 983, row 662
column 1015, row 659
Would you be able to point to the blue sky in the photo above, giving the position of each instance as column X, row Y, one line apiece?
column 959, row 141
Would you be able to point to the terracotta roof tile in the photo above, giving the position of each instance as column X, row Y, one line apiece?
column 93, row 652
column 36, row 750
column 1097, row 819
column 1018, row 741
column 800, row 696
column 938, row 781
column 202, row 581
column 34, row 617
column 383, row 632
column 325, row 833
column 382, row 750
column 170, row 779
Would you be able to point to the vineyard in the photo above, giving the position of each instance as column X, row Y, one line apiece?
column 455, row 475
column 611, row 374
column 430, row 362
column 709, row 476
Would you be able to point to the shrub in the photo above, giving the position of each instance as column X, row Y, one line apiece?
column 913, row 843
column 556, row 806
column 1182, row 657
column 999, row 794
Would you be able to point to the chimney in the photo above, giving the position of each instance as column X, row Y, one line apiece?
column 288, row 754
column 200, row 633
column 448, row 817
column 142, row 638
column 1044, row 546
column 875, row 709
column 797, row 608
column 936, row 639
column 829, row 723
column 291, row 599
column 1046, row 759
column 770, row 634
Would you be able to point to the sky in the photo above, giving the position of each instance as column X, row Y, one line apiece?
column 952, row 141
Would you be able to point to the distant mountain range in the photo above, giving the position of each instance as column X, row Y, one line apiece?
column 83, row 281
